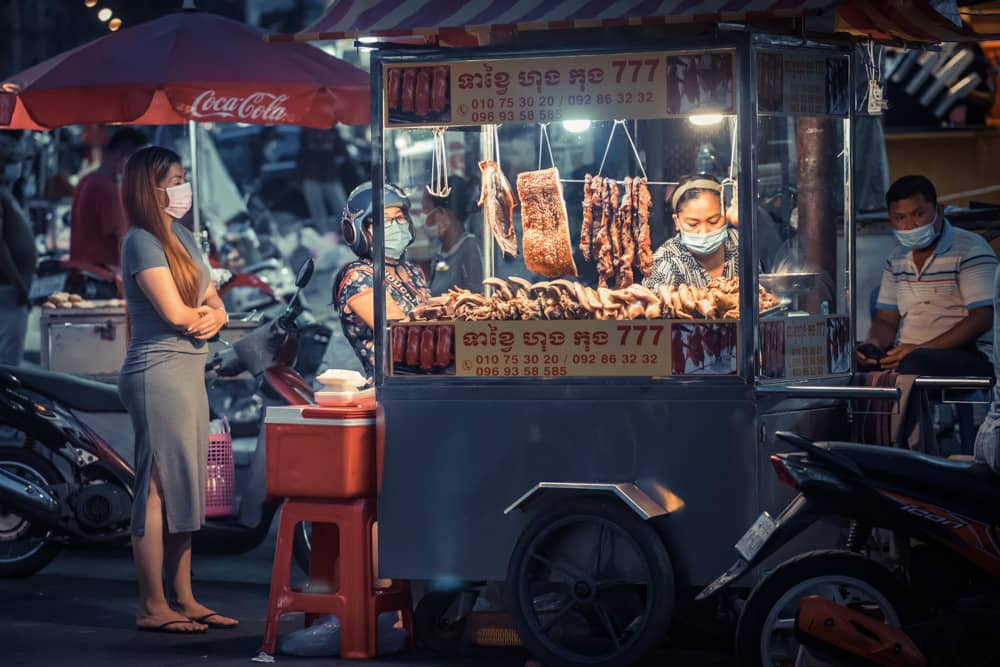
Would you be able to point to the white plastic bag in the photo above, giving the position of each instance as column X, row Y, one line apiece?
column 322, row 638
column 988, row 441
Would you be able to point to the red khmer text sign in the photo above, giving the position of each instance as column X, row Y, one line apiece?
column 562, row 348
column 542, row 90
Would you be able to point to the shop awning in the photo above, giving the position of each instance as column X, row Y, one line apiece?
column 348, row 19
column 884, row 20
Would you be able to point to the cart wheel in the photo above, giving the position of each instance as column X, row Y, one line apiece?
column 302, row 545
column 765, row 635
column 431, row 627
column 590, row 583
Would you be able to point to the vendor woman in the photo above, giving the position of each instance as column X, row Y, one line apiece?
column 705, row 246
column 353, row 287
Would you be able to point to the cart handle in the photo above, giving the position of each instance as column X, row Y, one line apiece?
column 819, row 391
column 956, row 383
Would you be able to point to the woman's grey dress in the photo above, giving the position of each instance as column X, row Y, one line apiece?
column 162, row 385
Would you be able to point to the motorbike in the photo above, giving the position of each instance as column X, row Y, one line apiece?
column 832, row 635
column 264, row 289
column 922, row 551
column 71, row 482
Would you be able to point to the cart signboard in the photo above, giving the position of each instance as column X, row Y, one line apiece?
column 802, row 84
column 805, row 347
column 563, row 348
column 541, row 90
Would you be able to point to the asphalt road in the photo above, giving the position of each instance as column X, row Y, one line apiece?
column 80, row 612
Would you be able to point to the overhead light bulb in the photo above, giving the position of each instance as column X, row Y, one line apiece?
column 705, row 120
column 104, row 14
column 90, row 3
column 576, row 126
column 114, row 24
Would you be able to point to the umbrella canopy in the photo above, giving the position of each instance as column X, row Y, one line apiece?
column 187, row 66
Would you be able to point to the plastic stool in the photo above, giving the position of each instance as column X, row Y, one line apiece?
column 341, row 577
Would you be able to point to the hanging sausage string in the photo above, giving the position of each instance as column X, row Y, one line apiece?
column 439, row 166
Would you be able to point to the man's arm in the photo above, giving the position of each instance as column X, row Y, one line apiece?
column 884, row 328
column 975, row 282
column 885, row 323
column 963, row 334
column 966, row 332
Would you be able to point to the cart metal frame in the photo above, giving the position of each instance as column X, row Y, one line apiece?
column 467, row 461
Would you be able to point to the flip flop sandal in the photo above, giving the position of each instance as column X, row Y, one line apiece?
column 166, row 628
column 218, row 626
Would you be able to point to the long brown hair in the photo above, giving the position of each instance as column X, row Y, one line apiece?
column 142, row 175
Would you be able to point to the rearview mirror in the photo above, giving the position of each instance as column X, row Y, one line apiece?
column 305, row 274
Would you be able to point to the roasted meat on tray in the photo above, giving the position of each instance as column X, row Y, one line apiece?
column 564, row 299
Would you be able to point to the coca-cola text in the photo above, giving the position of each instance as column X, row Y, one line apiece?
column 259, row 106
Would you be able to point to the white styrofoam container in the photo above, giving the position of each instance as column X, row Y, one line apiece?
column 88, row 342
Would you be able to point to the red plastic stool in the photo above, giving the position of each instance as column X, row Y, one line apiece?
column 341, row 578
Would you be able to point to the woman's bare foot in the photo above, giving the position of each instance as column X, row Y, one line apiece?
column 167, row 620
column 201, row 614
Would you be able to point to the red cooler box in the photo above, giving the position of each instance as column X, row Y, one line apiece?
column 321, row 452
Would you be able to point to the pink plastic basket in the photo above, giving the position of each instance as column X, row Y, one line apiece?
column 220, row 480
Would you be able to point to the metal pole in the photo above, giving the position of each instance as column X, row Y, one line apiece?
column 745, row 91
column 817, row 234
column 381, row 337
column 196, row 199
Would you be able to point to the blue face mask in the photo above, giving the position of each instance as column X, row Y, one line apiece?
column 397, row 238
column 917, row 238
column 704, row 244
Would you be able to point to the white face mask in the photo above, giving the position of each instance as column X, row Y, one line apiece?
column 918, row 238
column 704, row 244
column 179, row 199
column 397, row 238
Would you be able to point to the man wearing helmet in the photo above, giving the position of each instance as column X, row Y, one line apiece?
column 353, row 287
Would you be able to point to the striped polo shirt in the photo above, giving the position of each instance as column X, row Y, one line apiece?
column 956, row 278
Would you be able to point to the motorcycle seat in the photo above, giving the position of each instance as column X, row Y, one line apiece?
column 970, row 480
column 72, row 392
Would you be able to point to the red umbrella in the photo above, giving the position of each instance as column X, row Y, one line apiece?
column 187, row 66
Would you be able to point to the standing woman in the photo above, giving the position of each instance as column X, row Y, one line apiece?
column 174, row 310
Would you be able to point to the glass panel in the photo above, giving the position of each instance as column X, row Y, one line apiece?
column 802, row 240
column 562, row 288
column 548, row 233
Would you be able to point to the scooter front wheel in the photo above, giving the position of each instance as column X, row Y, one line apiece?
column 22, row 550
column 765, row 635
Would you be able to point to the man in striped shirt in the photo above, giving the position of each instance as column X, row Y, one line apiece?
column 935, row 306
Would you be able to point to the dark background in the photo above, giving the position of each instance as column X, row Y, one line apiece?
column 33, row 30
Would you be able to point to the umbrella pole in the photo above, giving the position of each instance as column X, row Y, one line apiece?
column 195, row 208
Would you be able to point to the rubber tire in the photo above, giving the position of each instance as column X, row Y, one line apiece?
column 793, row 572
column 36, row 561
column 301, row 547
column 657, row 559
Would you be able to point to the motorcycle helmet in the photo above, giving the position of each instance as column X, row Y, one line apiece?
column 355, row 223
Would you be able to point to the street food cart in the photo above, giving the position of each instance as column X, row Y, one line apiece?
column 593, row 444
column 607, row 452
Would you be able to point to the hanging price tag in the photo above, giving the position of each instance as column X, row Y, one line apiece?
column 875, row 101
